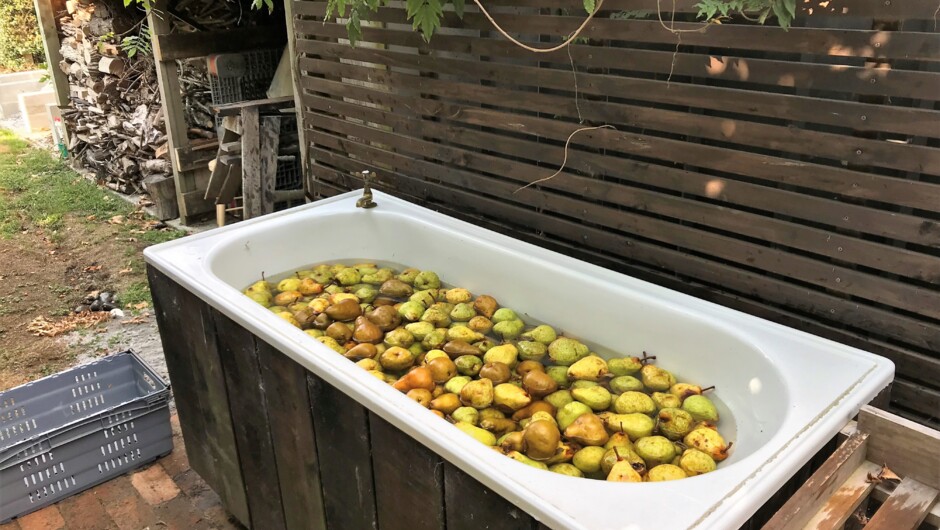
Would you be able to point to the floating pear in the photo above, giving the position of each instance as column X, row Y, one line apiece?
column 623, row 472
column 499, row 426
column 541, row 439
column 587, row 429
column 485, row 305
column 656, row 378
column 539, row 384
column 481, row 435
column 396, row 289
column 289, row 284
column 463, row 333
column 590, row 368
column 534, row 408
column 570, row 412
column 559, row 398
column 566, row 469
column 695, row 462
column 565, row 351
column 664, row 472
column 408, row 276
column 496, row 372
column 462, row 313
column 525, row 367
column 588, row 459
column 467, row 415
column 435, row 339
column 519, row 457
column 504, row 353
column 655, row 450
column 634, row 425
column 701, row 408
column 396, row 359
column 596, row 397
column 458, row 295
column 709, row 442
column 468, row 365
column 442, row 369
column 625, row 383
column 348, row 276
column 378, row 277
column 344, row 310
column 420, row 330
column 625, row 365
column 666, row 401
column 559, row 374
column 509, row 329
column 421, row 395
column 543, row 334
column 456, row 384
column 385, row 317
column 634, row 402
column 366, row 331
column 331, row 343
column 477, row 394
column 286, row 298
column 427, row 280
column 419, row 377
column 675, row 423
column 411, row 311
column 504, row 314
column 531, row 351
column 509, row 398
column 400, row 337
column 427, row 298
column 479, row 323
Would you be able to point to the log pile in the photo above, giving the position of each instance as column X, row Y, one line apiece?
column 115, row 120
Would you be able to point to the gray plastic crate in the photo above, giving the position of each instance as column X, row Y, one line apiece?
column 73, row 430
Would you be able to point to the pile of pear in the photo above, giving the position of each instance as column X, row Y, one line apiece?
column 536, row 396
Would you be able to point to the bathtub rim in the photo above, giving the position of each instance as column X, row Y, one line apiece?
column 181, row 259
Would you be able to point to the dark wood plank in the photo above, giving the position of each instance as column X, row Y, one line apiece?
column 344, row 453
column 251, row 162
column 843, row 248
column 470, row 505
column 188, row 336
column 234, row 109
column 409, row 480
column 267, row 169
column 202, row 43
column 907, row 507
column 247, row 395
column 770, row 289
column 781, row 262
column 827, row 479
column 295, row 443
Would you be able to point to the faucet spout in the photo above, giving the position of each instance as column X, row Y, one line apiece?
column 366, row 200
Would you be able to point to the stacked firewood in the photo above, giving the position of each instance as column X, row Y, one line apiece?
column 115, row 120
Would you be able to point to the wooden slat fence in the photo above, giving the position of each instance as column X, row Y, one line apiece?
column 794, row 175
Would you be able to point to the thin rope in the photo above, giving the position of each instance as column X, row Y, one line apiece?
column 539, row 50
column 564, row 161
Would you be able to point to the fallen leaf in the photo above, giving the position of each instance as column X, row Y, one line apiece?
column 92, row 268
column 125, row 271
column 116, row 220
column 91, row 218
column 887, row 474
column 141, row 305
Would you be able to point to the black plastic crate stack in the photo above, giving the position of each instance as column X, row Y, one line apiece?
column 76, row 429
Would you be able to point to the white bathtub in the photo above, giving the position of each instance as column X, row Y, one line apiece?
column 782, row 393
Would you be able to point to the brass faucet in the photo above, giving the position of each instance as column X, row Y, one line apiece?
column 366, row 200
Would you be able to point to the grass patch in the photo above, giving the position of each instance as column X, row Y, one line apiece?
column 136, row 293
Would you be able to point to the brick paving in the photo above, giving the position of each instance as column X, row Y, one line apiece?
column 167, row 495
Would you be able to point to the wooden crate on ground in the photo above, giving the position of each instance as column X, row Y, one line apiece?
column 887, row 459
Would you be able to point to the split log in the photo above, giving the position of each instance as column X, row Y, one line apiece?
column 111, row 65
column 162, row 190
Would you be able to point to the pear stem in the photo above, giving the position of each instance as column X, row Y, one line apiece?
column 706, row 389
column 647, row 358
column 620, row 458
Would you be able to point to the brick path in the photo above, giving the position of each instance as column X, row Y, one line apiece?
column 167, row 495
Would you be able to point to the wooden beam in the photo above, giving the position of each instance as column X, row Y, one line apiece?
column 194, row 157
column 202, row 43
column 251, row 162
column 270, row 138
column 295, row 78
column 234, row 109
column 891, row 440
column 907, row 507
column 45, row 12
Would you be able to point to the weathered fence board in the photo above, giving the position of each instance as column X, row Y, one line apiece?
column 791, row 174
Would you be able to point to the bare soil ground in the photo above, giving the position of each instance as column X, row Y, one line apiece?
column 62, row 238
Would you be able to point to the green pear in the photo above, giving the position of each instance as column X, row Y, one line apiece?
column 491, row 413
column 365, row 293
column 675, row 423
column 505, row 353
column 566, row 469
column 596, row 397
column 619, row 439
column 458, row 295
column 289, row 284
column 504, row 314
column 481, row 435
column 348, row 276
column 634, row 402
column 559, row 398
column 664, row 472
column 588, row 459
column 378, row 277
column 666, row 401
column 420, row 330
column 408, row 276
column 559, row 374
column 625, row 365
column 570, row 412
column 590, row 368
column 684, row 390
column 411, row 311
column 466, row 415
column 709, row 442
column 701, row 408
column 260, row 285
column 531, row 351
column 427, row 280
column 634, row 425
column 509, row 329
column 262, row 297
column 565, row 351
column 656, row 378
column 462, row 312
column 485, row 345
column 455, row 384
column 436, row 316
column 625, row 383
column 426, row 297
column 581, row 384
column 463, row 333
column 695, row 462
column 400, row 337
column 617, row 454
column 519, row 457
column 468, row 365
column 655, row 450
column 435, row 339
column 623, row 472
column 542, row 334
